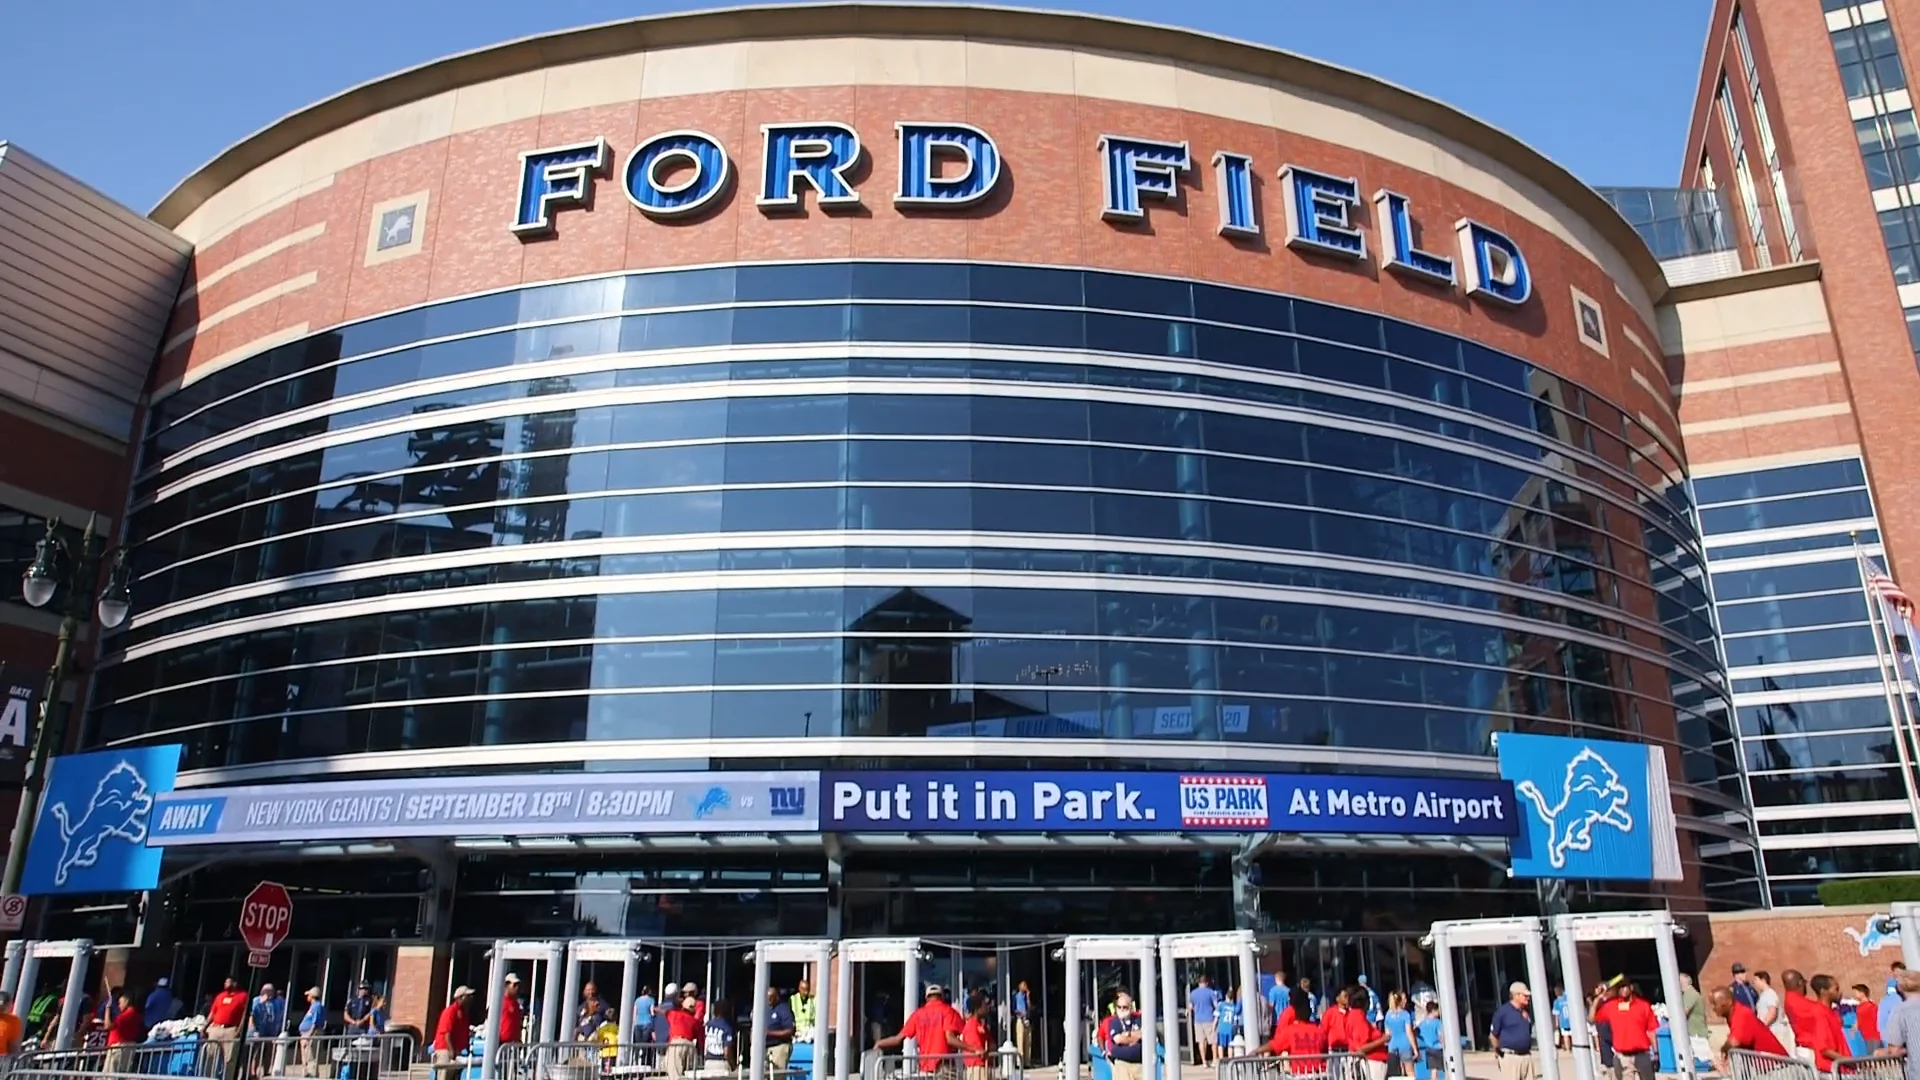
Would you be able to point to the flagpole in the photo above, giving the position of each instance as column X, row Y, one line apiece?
column 1895, row 713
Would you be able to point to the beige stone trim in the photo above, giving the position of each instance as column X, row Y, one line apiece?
column 1774, row 461
column 240, row 307
column 880, row 44
column 264, row 251
column 1763, row 419
column 1798, row 309
column 241, row 214
column 1758, row 378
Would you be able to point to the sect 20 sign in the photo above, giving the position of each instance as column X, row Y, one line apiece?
column 948, row 166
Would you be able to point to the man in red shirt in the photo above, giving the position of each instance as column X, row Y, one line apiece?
column 1631, row 1021
column 1744, row 1029
column 1363, row 1038
column 1833, row 1039
column 451, row 1034
column 512, row 1012
column 1803, row 1015
column 684, row 1031
column 975, row 1042
column 124, row 1032
column 224, row 1017
column 1303, row 1043
column 934, row 1028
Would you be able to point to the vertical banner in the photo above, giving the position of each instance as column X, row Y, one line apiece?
column 19, row 715
column 91, row 835
column 1590, row 808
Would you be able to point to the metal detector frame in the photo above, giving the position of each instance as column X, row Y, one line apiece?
column 1236, row 945
column 23, row 963
column 627, row 952
column 815, row 951
column 1088, row 948
column 1522, row 930
column 1657, row 926
column 553, row 953
column 902, row 951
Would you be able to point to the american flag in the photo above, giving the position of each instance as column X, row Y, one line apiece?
column 1881, row 584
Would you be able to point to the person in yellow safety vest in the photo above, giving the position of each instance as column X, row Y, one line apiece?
column 805, row 1012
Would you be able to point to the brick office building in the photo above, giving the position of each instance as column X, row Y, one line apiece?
column 1797, row 392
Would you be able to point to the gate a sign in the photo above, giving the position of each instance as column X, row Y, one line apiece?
column 266, row 917
column 18, row 710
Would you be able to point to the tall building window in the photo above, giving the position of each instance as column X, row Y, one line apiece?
column 1763, row 131
column 1743, row 176
column 1869, row 59
column 1900, row 227
column 1812, row 721
column 1890, row 147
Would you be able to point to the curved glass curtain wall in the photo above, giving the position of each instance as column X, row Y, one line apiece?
column 903, row 499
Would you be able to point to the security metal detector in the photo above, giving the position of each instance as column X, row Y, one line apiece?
column 23, row 969
column 543, row 960
column 1905, row 921
column 1657, row 926
column 627, row 952
column 1087, row 948
column 902, row 951
column 1236, row 945
column 815, row 951
column 1523, row 931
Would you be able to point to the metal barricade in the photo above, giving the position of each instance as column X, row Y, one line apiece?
column 1002, row 1064
column 184, row 1058
column 577, row 1060
column 1755, row 1065
column 1292, row 1067
column 334, row 1057
column 1870, row 1068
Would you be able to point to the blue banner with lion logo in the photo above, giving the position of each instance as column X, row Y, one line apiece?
column 1590, row 808
column 91, row 836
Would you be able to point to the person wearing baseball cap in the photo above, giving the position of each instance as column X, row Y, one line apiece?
column 512, row 1012
column 451, row 1035
column 934, row 1028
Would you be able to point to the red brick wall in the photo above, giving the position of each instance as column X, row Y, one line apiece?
column 1048, row 212
column 1812, row 940
column 1875, row 352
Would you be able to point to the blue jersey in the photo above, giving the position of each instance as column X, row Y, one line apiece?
column 1429, row 1033
column 1400, row 1032
column 1229, row 1014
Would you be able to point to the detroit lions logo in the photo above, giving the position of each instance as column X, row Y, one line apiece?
column 1874, row 936
column 1591, row 796
column 715, row 800
column 119, row 807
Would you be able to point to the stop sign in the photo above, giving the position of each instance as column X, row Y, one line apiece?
column 266, row 915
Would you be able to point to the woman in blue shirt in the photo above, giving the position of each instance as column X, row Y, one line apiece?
column 1429, row 1041
column 1399, row 1025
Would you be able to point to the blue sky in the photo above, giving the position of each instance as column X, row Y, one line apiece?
column 131, row 95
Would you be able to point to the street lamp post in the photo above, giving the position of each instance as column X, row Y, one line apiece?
column 57, row 562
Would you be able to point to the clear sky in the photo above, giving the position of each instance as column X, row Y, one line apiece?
column 131, row 95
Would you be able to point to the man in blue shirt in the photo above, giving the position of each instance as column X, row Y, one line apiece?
column 1512, row 1034
column 160, row 1003
column 269, row 1014
column 1278, row 998
column 1892, row 1001
column 1203, row 1016
column 1373, row 1002
column 1023, row 1022
column 779, row 1020
column 1123, row 1031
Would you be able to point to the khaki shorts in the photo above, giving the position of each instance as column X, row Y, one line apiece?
column 1124, row 1070
column 446, row 1063
column 1206, row 1034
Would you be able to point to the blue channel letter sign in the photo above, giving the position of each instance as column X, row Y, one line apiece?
column 1590, row 808
column 91, row 836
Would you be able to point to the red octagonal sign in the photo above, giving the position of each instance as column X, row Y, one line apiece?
column 266, row 916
